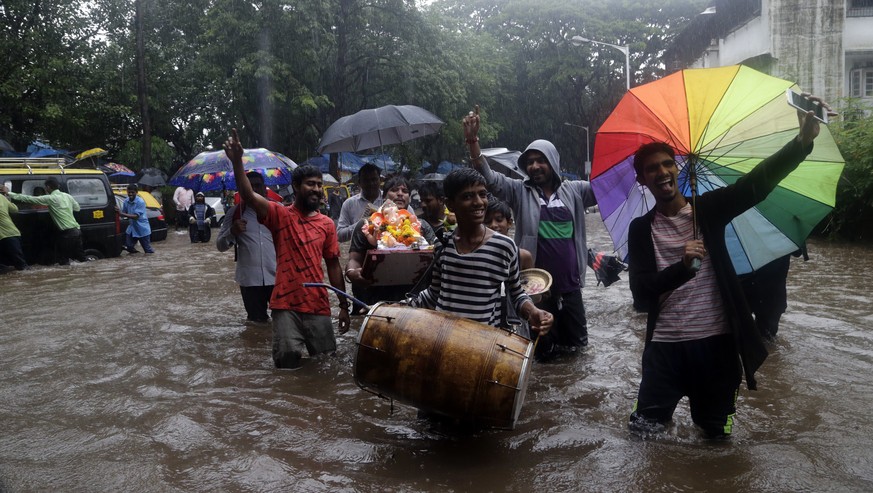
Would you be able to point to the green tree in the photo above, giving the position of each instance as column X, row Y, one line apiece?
column 544, row 80
column 45, row 88
column 852, row 217
column 161, row 155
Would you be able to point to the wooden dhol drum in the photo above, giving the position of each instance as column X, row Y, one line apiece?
column 444, row 364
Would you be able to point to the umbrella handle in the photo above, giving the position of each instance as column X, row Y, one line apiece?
column 692, row 176
column 338, row 292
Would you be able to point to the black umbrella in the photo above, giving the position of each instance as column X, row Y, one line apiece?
column 606, row 267
column 387, row 125
column 504, row 161
column 152, row 177
column 433, row 177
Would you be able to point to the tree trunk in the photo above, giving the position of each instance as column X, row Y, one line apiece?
column 334, row 166
column 146, row 158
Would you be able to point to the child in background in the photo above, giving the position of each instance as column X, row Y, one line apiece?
column 471, row 268
column 498, row 217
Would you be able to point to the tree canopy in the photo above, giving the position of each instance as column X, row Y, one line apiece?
column 283, row 71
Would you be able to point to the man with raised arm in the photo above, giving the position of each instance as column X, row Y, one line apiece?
column 700, row 336
column 550, row 224
column 302, row 236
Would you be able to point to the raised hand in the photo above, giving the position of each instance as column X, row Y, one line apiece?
column 233, row 148
column 471, row 125
column 809, row 125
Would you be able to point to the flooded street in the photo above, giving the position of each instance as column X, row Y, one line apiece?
column 137, row 374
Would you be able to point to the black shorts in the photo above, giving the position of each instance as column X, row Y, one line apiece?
column 707, row 371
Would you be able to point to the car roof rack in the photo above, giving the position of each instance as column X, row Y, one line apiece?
column 34, row 162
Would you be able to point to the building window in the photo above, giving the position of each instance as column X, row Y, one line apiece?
column 860, row 8
column 861, row 83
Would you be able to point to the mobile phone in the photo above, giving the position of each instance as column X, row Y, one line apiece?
column 804, row 104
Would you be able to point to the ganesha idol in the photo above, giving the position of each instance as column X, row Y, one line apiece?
column 395, row 228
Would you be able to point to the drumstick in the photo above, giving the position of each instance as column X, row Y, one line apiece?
column 338, row 292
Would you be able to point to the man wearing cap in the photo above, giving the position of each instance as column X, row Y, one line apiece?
column 199, row 213
column 550, row 224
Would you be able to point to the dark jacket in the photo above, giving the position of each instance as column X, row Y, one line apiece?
column 715, row 209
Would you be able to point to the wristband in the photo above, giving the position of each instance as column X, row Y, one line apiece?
column 474, row 139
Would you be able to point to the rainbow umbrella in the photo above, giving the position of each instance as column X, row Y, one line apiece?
column 210, row 171
column 723, row 121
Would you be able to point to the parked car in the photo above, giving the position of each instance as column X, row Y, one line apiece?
column 154, row 212
column 102, row 235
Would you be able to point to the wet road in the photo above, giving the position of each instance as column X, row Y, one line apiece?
column 137, row 374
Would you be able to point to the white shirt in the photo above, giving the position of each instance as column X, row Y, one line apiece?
column 256, row 254
column 351, row 212
column 183, row 197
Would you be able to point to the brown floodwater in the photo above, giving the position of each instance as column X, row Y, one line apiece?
column 137, row 374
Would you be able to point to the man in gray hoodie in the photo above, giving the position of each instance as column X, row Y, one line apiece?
column 550, row 223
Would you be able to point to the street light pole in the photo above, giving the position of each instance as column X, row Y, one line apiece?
column 587, row 148
column 579, row 40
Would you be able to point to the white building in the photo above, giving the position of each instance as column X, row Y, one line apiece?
column 825, row 46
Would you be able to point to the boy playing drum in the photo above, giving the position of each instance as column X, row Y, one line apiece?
column 471, row 266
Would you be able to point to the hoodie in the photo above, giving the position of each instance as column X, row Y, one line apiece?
column 523, row 197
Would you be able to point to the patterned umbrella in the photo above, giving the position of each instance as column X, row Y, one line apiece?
column 112, row 168
column 210, row 171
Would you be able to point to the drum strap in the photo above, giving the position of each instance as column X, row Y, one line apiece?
column 504, row 307
column 438, row 251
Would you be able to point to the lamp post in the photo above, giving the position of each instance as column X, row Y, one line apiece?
column 587, row 148
column 579, row 40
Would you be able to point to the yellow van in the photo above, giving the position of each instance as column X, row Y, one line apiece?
column 102, row 235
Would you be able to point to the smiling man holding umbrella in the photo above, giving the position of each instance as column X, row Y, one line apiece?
column 700, row 335
column 302, row 236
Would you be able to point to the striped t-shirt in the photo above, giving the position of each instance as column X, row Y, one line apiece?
column 555, row 245
column 468, row 285
column 695, row 309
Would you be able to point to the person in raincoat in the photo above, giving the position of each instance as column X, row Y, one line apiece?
column 700, row 335
column 199, row 214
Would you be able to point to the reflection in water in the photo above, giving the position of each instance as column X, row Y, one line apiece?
column 136, row 373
